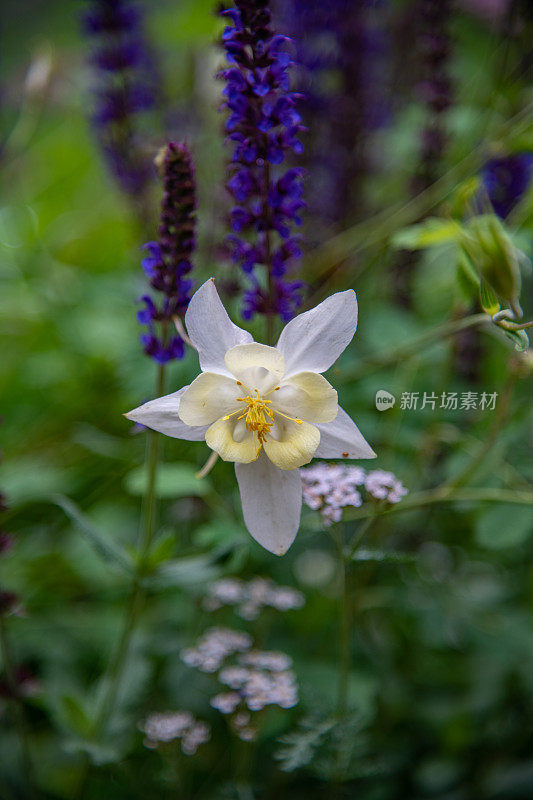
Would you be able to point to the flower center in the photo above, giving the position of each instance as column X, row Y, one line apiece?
column 257, row 414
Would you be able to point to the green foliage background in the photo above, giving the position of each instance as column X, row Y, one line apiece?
column 441, row 686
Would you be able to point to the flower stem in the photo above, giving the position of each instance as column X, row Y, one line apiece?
column 18, row 709
column 446, row 494
column 490, row 438
column 344, row 626
column 358, row 538
column 135, row 605
column 377, row 229
column 136, row 599
column 413, row 347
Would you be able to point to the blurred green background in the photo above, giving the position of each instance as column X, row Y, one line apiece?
column 441, row 685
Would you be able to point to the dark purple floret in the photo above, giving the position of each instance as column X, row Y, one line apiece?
column 125, row 87
column 506, row 179
column 263, row 126
column 167, row 263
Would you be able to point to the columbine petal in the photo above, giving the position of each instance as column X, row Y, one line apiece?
column 162, row 415
column 271, row 503
column 342, row 439
column 209, row 397
column 210, row 329
column 307, row 396
column 232, row 441
column 315, row 339
column 252, row 356
column 294, row 444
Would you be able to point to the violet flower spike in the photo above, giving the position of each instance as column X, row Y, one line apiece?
column 125, row 87
column 169, row 260
column 262, row 127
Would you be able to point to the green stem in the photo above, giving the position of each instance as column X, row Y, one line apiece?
column 490, row 439
column 512, row 326
column 413, row 347
column 344, row 627
column 360, row 534
column 379, row 227
column 18, row 709
column 444, row 494
column 135, row 605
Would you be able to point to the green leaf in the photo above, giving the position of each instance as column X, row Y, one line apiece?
column 430, row 233
column 488, row 299
column 110, row 553
column 99, row 753
column 172, row 480
column 75, row 715
column 162, row 549
column 382, row 557
column 504, row 526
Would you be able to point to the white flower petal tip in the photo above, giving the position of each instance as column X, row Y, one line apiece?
column 210, row 329
column 271, row 503
column 342, row 439
column 162, row 415
column 312, row 341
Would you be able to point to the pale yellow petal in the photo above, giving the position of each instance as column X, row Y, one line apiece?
column 307, row 396
column 209, row 397
column 294, row 445
column 243, row 356
column 231, row 442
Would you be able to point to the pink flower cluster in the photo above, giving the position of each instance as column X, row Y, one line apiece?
column 214, row 647
column 329, row 488
column 170, row 725
column 250, row 597
column 255, row 678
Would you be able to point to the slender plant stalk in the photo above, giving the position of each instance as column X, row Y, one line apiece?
column 412, row 347
column 445, row 494
column 135, row 605
column 380, row 227
column 359, row 536
column 345, row 620
column 490, row 439
column 18, row 710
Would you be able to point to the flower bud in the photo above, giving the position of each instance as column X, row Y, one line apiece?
column 494, row 256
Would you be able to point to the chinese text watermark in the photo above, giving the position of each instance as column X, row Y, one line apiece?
column 448, row 401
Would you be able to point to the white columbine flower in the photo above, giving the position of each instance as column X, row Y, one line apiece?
column 267, row 408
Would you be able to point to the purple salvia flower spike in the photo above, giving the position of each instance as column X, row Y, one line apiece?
column 263, row 127
column 168, row 260
column 126, row 86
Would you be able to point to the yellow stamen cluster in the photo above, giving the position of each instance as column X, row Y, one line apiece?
column 259, row 417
